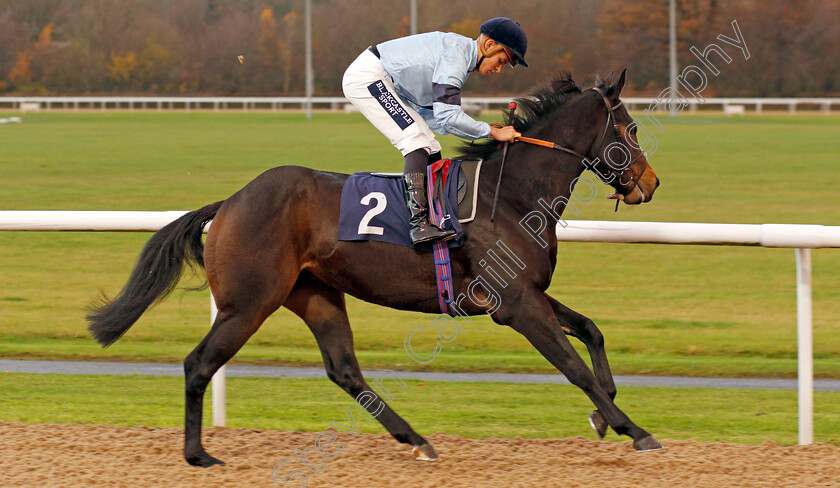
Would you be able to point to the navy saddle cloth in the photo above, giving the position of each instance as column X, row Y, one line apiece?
column 373, row 209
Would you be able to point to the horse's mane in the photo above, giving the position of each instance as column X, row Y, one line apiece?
column 531, row 111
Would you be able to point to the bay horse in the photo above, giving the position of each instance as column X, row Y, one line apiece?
column 274, row 243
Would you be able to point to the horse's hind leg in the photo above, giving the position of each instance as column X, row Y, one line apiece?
column 229, row 333
column 584, row 328
column 253, row 293
column 322, row 308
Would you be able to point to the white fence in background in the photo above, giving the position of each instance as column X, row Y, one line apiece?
column 727, row 105
column 801, row 237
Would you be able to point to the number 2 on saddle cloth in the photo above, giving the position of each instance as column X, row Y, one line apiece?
column 373, row 208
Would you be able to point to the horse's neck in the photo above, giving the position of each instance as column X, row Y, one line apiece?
column 533, row 173
column 536, row 173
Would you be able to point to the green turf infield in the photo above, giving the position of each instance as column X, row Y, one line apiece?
column 475, row 410
column 691, row 310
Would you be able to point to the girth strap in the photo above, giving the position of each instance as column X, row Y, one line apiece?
column 443, row 266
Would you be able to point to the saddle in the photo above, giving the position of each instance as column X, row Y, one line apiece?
column 373, row 204
column 450, row 184
column 469, row 172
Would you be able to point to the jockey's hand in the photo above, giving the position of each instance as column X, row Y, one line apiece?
column 505, row 134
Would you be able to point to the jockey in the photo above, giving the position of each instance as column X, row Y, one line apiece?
column 409, row 86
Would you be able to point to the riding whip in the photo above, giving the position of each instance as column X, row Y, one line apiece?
column 502, row 166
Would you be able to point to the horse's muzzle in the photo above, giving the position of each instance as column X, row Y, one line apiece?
column 643, row 191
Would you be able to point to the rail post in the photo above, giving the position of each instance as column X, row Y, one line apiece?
column 219, row 387
column 805, row 354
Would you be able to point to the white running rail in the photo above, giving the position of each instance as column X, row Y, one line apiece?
column 826, row 105
column 803, row 238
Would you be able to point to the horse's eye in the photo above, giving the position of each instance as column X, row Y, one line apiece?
column 633, row 131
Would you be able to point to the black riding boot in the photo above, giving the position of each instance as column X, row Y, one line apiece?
column 421, row 229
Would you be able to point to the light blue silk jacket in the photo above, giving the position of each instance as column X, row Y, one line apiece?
column 428, row 72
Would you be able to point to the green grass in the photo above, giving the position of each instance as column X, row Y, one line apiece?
column 475, row 410
column 690, row 310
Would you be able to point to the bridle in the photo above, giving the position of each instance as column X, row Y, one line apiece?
column 610, row 120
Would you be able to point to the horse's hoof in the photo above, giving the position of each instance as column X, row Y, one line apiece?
column 599, row 423
column 647, row 444
column 204, row 460
column 425, row 453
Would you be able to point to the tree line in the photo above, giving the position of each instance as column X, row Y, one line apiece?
column 191, row 47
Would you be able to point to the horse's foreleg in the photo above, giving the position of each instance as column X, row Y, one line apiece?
column 535, row 319
column 323, row 310
column 584, row 328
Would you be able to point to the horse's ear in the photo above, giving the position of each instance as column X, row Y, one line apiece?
column 615, row 89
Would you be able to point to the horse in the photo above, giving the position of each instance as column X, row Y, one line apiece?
column 274, row 243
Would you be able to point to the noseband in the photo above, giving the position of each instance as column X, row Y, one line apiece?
column 610, row 120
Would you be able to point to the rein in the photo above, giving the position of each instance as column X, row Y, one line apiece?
column 557, row 147
column 549, row 144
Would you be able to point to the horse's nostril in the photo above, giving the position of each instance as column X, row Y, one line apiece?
column 657, row 184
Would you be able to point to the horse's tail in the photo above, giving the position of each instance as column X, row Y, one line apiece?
column 155, row 275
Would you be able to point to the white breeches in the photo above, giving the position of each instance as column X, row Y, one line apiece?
column 370, row 89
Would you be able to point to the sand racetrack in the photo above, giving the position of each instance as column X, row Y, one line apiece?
column 58, row 455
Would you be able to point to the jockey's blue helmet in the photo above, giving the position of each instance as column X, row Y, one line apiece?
column 509, row 34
